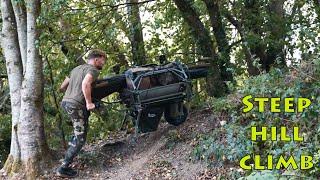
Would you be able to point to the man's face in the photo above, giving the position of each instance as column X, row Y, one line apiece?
column 99, row 62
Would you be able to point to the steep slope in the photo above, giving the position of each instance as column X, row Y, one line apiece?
column 163, row 154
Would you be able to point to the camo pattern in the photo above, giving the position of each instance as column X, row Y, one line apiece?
column 79, row 118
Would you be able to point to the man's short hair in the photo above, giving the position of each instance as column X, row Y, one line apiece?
column 96, row 53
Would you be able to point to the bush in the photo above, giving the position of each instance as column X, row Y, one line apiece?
column 227, row 144
column 232, row 141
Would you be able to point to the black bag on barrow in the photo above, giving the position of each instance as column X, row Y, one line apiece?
column 149, row 119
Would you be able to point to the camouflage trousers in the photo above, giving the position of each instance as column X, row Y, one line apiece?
column 79, row 117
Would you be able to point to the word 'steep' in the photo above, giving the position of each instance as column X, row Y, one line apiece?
column 291, row 105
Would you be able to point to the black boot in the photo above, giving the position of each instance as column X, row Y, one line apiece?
column 66, row 172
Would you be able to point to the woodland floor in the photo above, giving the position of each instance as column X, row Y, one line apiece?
column 163, row 154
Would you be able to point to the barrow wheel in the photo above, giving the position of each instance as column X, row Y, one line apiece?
column 176, row 114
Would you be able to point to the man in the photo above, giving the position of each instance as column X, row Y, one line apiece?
column 77, row 103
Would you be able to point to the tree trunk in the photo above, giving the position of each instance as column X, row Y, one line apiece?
column 267, row 36
column 11, row 51
column 136, row 34
column 20, row 15
column 29, row 151
column 254, row 27
column 221, row 38
column 252, row 70
column 215, row 85
column 278, row 30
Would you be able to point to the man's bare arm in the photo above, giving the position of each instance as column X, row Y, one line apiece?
column 64, row 84
column 86, row 89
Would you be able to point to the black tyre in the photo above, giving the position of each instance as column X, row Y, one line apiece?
column 176, row 114
column 197, row 73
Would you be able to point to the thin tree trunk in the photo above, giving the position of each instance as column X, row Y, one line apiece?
column 221, row 38
column 59, row 118
column 253, row 24
column 33, row 141
column 136, row 34
column 20, row 15
column 252, row 70
column 215, row 85
column 11, row 51
column 278, row 31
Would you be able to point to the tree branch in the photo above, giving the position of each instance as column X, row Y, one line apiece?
column 3, row 76
column 111, row 6
column 233, row 21
column 247, row 51
column 234, row 43
column 11, row 52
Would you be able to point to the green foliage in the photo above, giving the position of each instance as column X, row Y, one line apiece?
column 261, row 175
column 232, row 141
column 227, row 144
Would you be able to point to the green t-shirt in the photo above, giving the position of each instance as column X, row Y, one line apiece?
column 74, row 92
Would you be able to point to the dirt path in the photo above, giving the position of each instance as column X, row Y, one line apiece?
column 138, row 162
column 163, row 154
